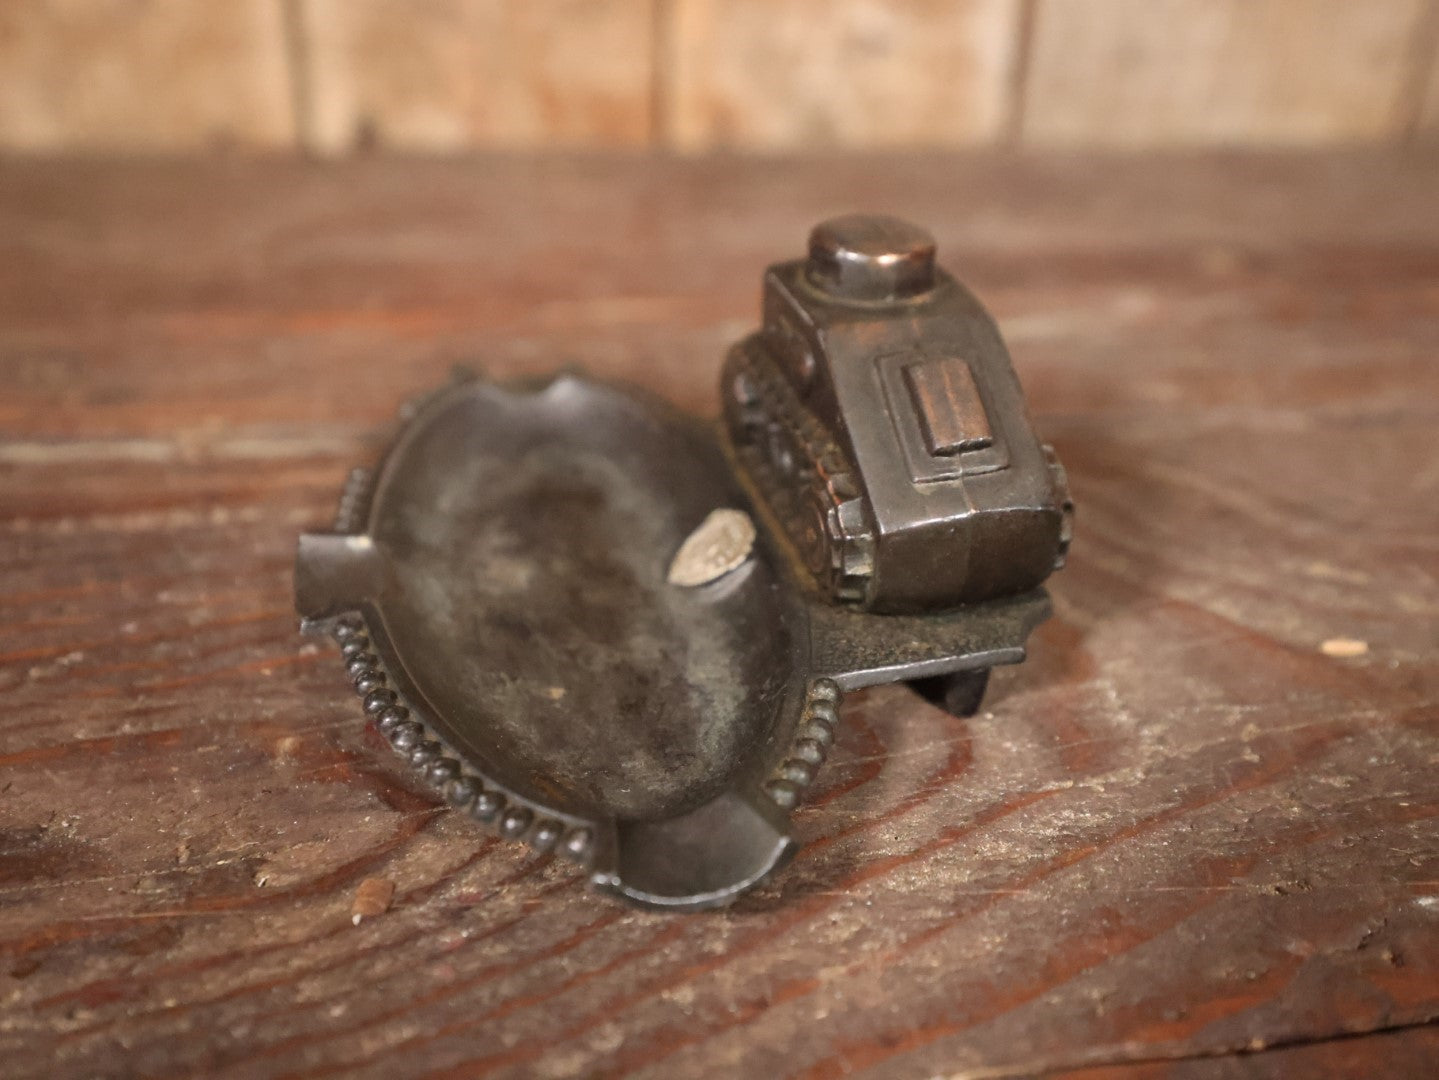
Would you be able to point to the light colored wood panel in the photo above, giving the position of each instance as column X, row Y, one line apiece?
column 1143, row 72
column 449, row 74
column 142, row 74
column 1427, row 128
column 786, row 73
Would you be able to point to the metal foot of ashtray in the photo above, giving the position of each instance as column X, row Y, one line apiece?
column 620, row 633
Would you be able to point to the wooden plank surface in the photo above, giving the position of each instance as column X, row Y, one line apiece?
column 445, row 74
column 1426, row 121
column 759, row 73
column 1165, row 72
column 1405, row 1052
column 334, row 76
column 1181, row 830
column 143, row 75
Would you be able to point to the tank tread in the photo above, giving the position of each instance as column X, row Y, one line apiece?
column 804, row 474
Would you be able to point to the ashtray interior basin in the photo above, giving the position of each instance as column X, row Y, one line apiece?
column 528, row 540
column 512, row 579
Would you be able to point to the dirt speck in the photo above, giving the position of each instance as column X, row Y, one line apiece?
column 1343, row 648
column 372, row 898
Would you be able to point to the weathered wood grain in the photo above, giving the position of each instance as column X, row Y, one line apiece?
column 757, row 73
column 144, row 75
column 1426, row 122
column 1180, row 830
column 1156, row 72
column 1406, row 1052
column 445, row 74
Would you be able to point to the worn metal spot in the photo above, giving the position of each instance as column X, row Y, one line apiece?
column 721, row 543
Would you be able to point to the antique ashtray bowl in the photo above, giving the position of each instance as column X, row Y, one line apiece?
column 622, row 633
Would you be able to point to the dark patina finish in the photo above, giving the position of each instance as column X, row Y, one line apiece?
column 877, row 411
column 499, row 589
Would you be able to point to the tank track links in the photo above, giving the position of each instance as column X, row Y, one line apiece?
column 805, row 476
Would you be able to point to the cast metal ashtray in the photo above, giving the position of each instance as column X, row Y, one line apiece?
column 621, row 633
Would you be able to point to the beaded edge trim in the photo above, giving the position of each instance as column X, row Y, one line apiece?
column 462, row 789
column 812, row 741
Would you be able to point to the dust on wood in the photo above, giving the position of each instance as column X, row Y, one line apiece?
column 372, row 898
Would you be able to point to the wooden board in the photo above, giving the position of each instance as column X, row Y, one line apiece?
column 337, row 76
column 1182, row 830
column 143, row 75
column 816, row 73
column 446, row 74
column 1426, row 112
column 1404, row 1052
column 1158, row 72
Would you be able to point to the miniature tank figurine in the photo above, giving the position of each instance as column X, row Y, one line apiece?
column 623, row 634
column 877, row 414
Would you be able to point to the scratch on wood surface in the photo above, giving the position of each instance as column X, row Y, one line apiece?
column 190, row 447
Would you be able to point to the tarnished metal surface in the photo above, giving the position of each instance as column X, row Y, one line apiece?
column 877, row 410
column 555, row 602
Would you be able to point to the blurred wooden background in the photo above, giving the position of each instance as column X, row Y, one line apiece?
column 333, row 76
